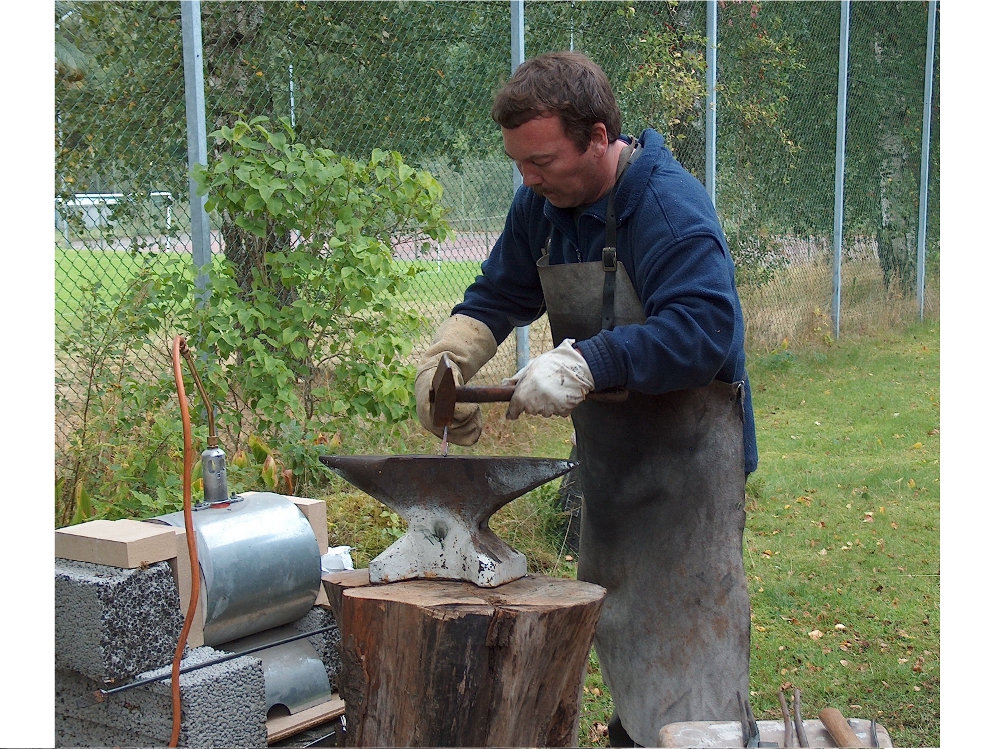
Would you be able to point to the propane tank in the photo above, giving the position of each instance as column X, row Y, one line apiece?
column 213, row 472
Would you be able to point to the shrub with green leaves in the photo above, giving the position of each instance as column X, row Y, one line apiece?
column 303, row 324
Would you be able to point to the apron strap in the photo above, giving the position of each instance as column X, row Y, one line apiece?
column 610, row 253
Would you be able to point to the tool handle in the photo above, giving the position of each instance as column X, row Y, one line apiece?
column 839, row 728
column 483, row 393
column 503, row 393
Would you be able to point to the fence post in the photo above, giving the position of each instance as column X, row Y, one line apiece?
column 194, row 106
column 838, row 200
column 925, row 155
column 516, row 58
column 712, row 24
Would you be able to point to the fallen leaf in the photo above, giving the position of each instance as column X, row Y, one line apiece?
column 869, row 517
column 838, row 625
column 845, row 664
column 917, row 445
column 822, row 552
column 815, row 634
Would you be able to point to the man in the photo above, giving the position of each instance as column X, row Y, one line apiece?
column 623, row 249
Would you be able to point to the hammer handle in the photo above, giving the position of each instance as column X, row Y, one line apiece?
column 839, row 728
column 483, row 393
column 503, row 393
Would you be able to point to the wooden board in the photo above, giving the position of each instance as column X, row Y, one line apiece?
column 126, row 544
column 283, row 726
column 180, row 565
column 445, row 663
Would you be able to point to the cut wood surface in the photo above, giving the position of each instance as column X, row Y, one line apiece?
column 446, row 663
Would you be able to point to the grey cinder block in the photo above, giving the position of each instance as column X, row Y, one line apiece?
column 222, row 706
column 112, row 623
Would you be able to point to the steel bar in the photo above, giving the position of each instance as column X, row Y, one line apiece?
column 711, row 50
column 516, row 58
column 197, row 144
column 838, row 198
column 101, row 694
column 925, row 155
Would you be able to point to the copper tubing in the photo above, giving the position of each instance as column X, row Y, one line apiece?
column 213, row 438
column 179, row 349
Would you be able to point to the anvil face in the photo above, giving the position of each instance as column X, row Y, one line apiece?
column 447, row 503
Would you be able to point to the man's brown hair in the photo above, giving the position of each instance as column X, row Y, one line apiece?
column 567, row 84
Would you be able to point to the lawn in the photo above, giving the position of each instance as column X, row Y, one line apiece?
column 842, row 540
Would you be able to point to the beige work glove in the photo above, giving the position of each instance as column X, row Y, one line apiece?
column 552, row 384
column 469, row 344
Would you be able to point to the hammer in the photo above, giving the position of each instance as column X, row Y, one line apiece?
column 445, row 394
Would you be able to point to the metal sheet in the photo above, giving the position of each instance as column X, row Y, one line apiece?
column 260, row 565
column 294, row 674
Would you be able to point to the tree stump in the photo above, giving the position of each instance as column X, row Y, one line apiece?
column 446, row 663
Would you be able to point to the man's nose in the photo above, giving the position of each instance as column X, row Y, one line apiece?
column 529, row 175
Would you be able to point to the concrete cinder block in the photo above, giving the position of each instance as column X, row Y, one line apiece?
column 327, row 644
column 112, row 623
column 118, row 543
column 222, row 705
column 77, row 732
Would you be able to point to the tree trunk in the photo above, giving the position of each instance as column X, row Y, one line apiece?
column 444, row 663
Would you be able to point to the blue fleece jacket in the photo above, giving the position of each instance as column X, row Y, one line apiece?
column 672, row 247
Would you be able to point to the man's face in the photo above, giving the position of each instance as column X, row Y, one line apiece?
column 552, row 165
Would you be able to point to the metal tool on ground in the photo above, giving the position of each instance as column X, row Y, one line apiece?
column 751, row 732
column 800, row 729
column 787, row 738
column 838, row 727
column 445, row 394
column 447, row 504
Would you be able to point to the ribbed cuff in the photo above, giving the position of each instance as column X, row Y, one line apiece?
column 603, row 367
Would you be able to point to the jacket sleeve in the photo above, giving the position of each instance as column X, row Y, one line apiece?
column 508, row 293
column 689, row 298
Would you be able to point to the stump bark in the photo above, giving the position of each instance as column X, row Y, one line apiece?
column 445, row 663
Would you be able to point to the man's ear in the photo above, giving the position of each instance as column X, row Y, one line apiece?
column 599, row 139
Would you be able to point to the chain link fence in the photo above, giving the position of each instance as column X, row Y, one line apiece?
column 418, row 78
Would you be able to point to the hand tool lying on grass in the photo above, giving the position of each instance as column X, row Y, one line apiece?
column 445, row 394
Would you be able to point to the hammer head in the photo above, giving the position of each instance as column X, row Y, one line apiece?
column 442, row 395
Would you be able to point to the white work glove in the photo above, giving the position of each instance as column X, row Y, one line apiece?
column 552, row 384
column 469, row 344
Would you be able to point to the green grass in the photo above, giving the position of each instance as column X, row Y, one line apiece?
column 78, row 269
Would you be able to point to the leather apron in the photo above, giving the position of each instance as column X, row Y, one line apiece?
column 661, row 525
